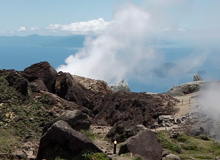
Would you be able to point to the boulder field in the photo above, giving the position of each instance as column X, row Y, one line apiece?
column 43, row 105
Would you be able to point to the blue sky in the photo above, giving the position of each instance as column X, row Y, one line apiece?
column 41, row 13
column 34, row 16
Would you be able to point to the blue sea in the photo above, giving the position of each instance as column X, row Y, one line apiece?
column 20, row 56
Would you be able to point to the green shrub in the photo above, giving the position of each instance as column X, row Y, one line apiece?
column 190, row 147
column 167, row 143
column 182, row 138
column 91, row 156
column 204, row 137
column 89, row 134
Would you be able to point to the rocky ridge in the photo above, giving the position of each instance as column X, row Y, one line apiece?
column 38, row 103
column 43, row 96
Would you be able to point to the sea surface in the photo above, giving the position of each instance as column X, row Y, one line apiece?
column 19, row 57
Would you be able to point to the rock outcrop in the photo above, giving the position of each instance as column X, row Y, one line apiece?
column 62, row 141
column 121, row 86
column 197, row 77
column 186, row 88
column 140, row 108
column 66, row 87
column 42, row 75
column 144, row 144
column 76, row 119
column 92, row 86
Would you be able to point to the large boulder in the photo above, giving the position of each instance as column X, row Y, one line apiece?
column 76, row 119
column 121, row 86
column 62, row 141
column 67, row 88
column 144, row 144
column 41, row 72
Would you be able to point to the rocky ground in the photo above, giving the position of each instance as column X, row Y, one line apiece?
column 50, row 115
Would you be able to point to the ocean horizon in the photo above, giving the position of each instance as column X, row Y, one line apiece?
column 20, row 56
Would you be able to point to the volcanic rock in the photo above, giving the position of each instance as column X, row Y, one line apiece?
column 186, row 88
column 61, row 140
column 121, row 86
column 197, row 77
column 41, row 72
column 144, row 144
column 95, row 90
column 121, row 131
column 16, row 80
column 66, row 87
column 76, row 119
column 93, row 86
column 140, row 108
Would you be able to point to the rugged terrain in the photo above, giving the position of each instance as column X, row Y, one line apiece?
column 50, row 115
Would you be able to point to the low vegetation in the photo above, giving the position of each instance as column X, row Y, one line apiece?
column 89, row 156
column 90, row 134
column 187, row 147
column 22, row 117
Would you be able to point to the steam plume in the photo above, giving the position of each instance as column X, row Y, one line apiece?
column 124, row 50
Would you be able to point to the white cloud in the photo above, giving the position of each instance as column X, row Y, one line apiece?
column 92, row 26
column 21, row 29
column 34, row 28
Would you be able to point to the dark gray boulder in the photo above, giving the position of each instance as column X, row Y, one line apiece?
column 41, row 74
column 144, row 144
column 62, row 141
column 67, row 88
column 76, row 119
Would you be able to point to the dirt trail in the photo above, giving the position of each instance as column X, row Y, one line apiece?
column 187, row 104
column 105, row 145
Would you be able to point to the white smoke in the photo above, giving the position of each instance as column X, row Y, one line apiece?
column 124, row 49
column 209, row 100
column 118, row 52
